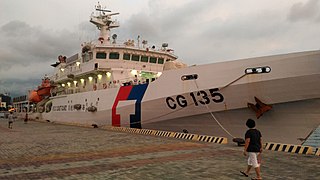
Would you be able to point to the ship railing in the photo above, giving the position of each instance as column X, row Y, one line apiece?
column 128, row 44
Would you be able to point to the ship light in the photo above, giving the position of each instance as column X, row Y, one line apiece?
column 159, row 74
column 134, row 72
column 62, row 69
column 69, row 84
column 82, row 81
column 90, row 78
column 75, row 82
column 108, row 74
column 78, row 63
column 63, row 85
column 99, row 76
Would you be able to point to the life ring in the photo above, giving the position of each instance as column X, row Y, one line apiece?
column 94, row 87
column 104, row 86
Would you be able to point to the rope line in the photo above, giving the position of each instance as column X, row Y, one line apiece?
column 195, row 81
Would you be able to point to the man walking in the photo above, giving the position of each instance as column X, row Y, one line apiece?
column 252, row 148
column 10, row 120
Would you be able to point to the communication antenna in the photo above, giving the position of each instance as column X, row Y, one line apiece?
column 99, row 8
column 114, row 37
column 164, row 46
column 144, row 43
column 138, row 39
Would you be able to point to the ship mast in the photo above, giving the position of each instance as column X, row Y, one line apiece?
column 104, row 23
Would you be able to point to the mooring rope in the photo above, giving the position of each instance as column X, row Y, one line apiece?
column 195, row 81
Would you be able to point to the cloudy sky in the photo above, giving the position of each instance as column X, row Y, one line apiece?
column 34, row 32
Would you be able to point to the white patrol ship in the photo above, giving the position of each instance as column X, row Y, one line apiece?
column 136, row 85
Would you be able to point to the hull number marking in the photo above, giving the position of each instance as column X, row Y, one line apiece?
column 197, row 98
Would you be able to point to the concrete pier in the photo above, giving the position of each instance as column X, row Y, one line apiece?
column 51, row 151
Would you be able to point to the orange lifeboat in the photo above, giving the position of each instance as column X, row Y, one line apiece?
column 34, row 97
column 42, row 91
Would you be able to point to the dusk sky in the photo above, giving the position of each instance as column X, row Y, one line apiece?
column 34, row 33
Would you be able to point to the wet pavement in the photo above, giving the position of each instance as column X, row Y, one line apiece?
column 51, row 151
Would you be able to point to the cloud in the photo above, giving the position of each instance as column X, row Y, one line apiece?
column 200, row 32
column 211, row 31
column 26, row 53
column 163, row 22
column 24, row 44
column 304, row 12
column 18, row 87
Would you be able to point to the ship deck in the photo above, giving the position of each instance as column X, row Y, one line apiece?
column 52, row 151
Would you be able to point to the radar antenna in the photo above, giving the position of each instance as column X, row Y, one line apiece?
column 103, row 20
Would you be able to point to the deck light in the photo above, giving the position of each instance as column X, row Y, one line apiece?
column 99, row 76
column 75, row 82
column 134, row 72
column 90, row 78
column 108, row 74
column 63, row 85
column 82, row 81
column 78, row 63
column 69, row 84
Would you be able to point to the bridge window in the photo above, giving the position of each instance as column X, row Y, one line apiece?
column 144, row 58
column 114, row 55
column 101, row 55
column 135, row 57
column 153, row 60
column 126, row 56
column 160, row 61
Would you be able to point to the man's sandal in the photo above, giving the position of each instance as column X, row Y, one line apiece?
column 243, row 173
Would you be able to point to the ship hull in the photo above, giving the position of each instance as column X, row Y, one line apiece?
column 221, row 88
column 286, row 123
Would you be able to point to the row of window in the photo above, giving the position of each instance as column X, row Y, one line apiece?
column 128, row 57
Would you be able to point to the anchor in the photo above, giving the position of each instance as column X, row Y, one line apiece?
column 260, row 108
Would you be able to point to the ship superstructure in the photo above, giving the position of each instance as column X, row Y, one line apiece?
column 104, row 63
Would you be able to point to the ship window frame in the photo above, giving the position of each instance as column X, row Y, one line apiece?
column 126, row 56
column 48, row 107
column 144, row 59
column 151, row 60
column 160, row 60
column 134, row 59
column 101, row 57
column 114, row 55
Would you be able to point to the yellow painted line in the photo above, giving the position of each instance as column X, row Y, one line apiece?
column 291, row 148
column 178, row 135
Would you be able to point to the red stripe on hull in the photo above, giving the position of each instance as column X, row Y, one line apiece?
column 123, row 94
